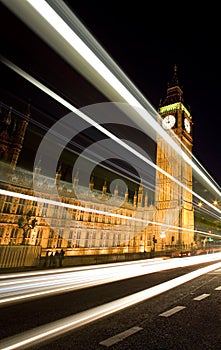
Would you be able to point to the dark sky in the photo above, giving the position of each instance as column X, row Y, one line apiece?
column 145, row 43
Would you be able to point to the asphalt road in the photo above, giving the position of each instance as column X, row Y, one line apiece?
column 195, row 325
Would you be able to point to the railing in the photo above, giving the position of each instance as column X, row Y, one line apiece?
column 19, row 256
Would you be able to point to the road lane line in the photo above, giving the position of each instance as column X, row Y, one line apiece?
column 218, row 288
column 120, row 336
column 59, row 327
column 201, row 297
column 172, row 311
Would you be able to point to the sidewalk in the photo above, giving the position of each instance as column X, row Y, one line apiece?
column 9, row 270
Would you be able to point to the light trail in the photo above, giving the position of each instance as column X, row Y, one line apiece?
column 191, row 155
column 128, row 97
column 96, row 125
column 51, row 19
column 103, row 130
column 23, row 287
column 71, row 269
column 76, row 207
column 206, row 211
column 125, row 302
column 48, row 331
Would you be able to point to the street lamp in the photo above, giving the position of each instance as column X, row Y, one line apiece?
column 162, row 236
column 216, row 202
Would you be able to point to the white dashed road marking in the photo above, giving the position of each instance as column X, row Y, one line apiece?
column 201, row 297
column 172, row 311
column 119, row 337
column 218, row 288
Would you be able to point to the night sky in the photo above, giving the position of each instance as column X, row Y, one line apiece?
column 145, row 44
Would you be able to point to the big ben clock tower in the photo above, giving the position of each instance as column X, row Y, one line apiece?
column 173, row 199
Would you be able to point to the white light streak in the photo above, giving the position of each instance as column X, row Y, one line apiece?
column 25, row 287
column 103, row 130
column 62, row 29
column 72, row 206
column 48, row 331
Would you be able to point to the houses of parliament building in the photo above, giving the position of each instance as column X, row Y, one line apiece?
column 100, row 222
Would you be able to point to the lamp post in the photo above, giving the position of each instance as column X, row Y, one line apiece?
column 162, row 236
column 216, row 203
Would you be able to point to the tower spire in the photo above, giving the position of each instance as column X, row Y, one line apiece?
column 175, row 80
column 174, row 91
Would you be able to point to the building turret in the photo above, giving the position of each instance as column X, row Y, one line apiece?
column 126, row 196
column 146, row 199
column 58, row 176
column 76, row 181
column 115, row 192
column 37, row 171
column 91, row 185
column 13, row 127
column 135, row 199
column 140, row 196
column 104, row 190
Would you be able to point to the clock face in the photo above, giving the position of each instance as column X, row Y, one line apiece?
column 187, row 125
column 168, row 122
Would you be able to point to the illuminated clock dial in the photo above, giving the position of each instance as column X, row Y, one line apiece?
column 187, row 125
column 168, row 122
